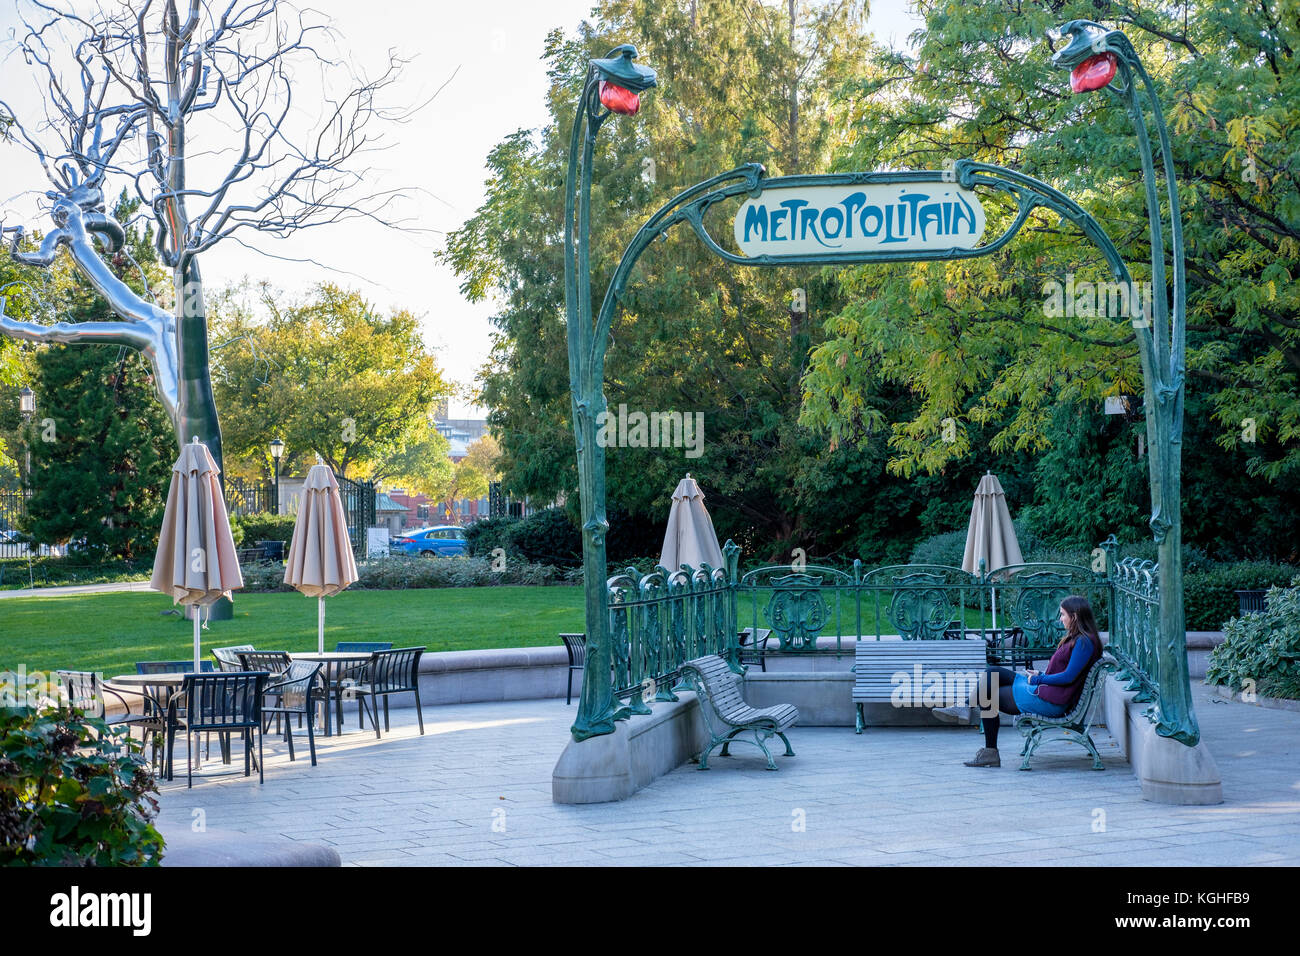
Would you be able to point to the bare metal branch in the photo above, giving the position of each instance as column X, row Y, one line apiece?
column 123, row 87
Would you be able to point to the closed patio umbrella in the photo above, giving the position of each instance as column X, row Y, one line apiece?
column 320, row 562
column 991, row 536
column 690, row 538
column 196, row 562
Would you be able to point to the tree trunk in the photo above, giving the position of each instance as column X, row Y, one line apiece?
column 196, row 415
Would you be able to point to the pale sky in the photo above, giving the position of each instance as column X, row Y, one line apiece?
column 442, row 150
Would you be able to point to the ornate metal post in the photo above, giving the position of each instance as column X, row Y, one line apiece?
column 611, row 85
column 1105, row 59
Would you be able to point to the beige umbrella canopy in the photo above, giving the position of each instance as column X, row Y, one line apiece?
column 690, row 538
column 196, row 562
column 991, row 535
column 320, row 562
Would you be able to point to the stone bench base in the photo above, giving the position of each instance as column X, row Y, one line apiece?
column 227, row 848
column 1169, row 772
column 639, row 751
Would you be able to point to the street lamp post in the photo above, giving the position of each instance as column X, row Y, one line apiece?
column 277, row 450
column 27, row 408
column 1101, row 59
column 612, row 85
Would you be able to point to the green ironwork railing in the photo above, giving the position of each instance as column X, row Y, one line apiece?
column 916, row 602
column 660, row 620
column 1135, row 627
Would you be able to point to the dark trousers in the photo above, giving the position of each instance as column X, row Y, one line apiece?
column 1001, row 678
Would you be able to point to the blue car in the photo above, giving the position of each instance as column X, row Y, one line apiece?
column 444, row 541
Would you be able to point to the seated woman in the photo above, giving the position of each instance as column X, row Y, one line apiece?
column 1052, row 693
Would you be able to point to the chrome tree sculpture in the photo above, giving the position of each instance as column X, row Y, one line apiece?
column 127, row 90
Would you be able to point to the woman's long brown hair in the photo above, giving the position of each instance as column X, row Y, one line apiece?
column 1081, row 619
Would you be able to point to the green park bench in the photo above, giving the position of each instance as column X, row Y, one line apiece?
column 1074, row 726
column 880, row 666
column 727, row 714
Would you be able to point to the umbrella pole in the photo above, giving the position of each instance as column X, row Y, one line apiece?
column 198, row 611
column 320, row 624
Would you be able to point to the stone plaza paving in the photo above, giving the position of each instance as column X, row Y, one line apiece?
column 475, row 790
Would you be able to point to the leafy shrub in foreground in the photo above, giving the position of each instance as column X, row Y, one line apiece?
column 1263, row 648
column 69, row 796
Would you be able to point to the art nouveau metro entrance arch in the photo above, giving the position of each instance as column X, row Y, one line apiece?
column 848, row 218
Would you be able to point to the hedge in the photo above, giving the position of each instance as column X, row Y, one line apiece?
column 247, row 530
column 489, row 533
column 547, row 536
column 408, row 571
column 1210, row 598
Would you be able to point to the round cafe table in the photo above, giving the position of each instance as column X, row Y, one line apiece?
column 168, row 679
column 336, row 663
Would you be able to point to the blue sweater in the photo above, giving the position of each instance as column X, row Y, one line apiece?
column 1079, row 658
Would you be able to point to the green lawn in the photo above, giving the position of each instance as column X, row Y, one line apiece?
column 110, row 632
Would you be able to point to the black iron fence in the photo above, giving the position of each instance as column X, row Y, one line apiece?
column 245, row 497
column 359, row 506
column 13, row 543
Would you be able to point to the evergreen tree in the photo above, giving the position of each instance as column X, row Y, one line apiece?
column 101, row 462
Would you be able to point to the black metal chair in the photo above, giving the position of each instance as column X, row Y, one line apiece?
column 1252, row 602
column 753, row 650
column 173, row 667
column 348, row 674
column 1010, row 647
column 576, row 647
column 273, row 662
column 219, row 704
column 362, row 647
column 296, row 692
column 162, row 694
column 389, row 672
column 227, row 658
column 86, row 692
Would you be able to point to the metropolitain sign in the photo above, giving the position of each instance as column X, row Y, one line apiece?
column 879, row 217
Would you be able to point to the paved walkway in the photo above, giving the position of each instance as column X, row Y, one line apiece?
column 67, row 589
column 476, row 790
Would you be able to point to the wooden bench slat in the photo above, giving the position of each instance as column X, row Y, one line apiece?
column 930, row 668
column 714, row 680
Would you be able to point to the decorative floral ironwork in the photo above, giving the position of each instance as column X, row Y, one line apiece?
column 797, row 611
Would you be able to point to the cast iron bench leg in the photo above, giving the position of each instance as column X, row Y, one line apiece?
column 727, row 743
